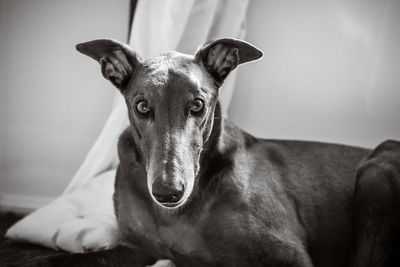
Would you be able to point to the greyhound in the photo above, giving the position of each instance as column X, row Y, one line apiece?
column 193, row 188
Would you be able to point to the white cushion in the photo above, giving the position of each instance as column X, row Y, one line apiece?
column 82, row 220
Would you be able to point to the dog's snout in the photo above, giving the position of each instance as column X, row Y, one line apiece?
column 167, row 193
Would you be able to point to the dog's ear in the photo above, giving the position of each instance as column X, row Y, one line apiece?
column 117, row 59
column 220, row 57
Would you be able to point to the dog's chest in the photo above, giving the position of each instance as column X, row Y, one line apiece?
column 182, row 237
column 178, row 236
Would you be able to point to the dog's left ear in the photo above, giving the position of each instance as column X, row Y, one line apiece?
column 220, row 57
column 117, row 59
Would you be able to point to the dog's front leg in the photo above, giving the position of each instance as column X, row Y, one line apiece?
column 302, row 259
column 285, row 249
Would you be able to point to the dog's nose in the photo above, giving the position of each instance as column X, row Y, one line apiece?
column 167, row 193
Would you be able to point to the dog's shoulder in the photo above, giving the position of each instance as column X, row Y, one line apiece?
column 125, row 139
column 127, row 148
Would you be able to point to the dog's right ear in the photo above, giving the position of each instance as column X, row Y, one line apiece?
column 117, row 59
column 221, row 56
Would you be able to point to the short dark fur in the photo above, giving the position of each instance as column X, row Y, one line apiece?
column 255, row 202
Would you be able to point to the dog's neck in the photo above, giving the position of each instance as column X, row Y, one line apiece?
column 215, row 156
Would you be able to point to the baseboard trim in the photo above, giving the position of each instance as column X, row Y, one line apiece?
column 22, row 204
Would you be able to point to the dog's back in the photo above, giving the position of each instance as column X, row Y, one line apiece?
column 316, row 181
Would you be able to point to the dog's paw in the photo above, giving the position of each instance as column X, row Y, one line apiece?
column 163, row 263
column 87, row 235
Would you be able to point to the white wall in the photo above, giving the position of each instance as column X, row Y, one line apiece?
column 331, row 71
column 54, row 100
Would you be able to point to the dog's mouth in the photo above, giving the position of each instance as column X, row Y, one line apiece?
column 171, row 205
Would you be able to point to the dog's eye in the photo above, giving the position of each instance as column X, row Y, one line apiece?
column 197, row 105
column 143, row 107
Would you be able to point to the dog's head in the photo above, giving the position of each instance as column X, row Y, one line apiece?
column 171, row 101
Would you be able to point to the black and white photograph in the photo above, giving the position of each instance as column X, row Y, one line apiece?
column 200, row 133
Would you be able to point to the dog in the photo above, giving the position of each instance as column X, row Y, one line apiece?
column 193, row 188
